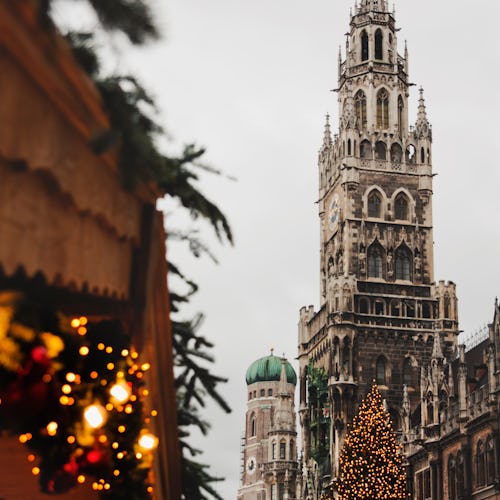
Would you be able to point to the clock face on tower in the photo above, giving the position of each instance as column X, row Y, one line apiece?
column 334, row 213
column 251, row 465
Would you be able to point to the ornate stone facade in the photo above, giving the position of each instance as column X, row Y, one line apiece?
column 382, row 317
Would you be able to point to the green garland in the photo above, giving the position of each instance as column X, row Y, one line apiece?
column 73, row 391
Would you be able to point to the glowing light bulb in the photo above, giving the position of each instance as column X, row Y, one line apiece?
column 52, row 428
column 95, row 415
column 120, row 391
column 148, row 441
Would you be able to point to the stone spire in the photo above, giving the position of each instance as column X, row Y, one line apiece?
column 327, row 136
column 422, row 126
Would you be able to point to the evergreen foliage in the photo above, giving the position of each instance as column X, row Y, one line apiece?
column 370, row 461
column 135, row 133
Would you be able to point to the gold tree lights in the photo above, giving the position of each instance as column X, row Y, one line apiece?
column 74, row 392
column 371, row 464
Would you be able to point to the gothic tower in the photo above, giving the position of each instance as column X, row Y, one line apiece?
column 380, row 309
column 269, row 448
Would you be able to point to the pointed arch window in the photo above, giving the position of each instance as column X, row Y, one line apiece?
column 364, row 46
column 365, row 150
column 381, row 150
column 407, row 372
column 452, row 477
column 374, row 204
column 403, row 264
column 349, row 147
column 380, row 374
column 383, row 109
column 401, row 207
column 253, row 425
column 360, row 104
column 375, row 269
column 490, row 461
column 400, row 116
column 480, row 479
column 379, row 41
column 282, row 450
column 422, row 155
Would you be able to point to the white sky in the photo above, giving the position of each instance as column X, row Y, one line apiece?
column 250, row 80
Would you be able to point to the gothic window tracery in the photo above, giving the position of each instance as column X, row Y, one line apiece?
column 401, row 206
column 383, row 109
column 375, row 260
column 380, row 150
column 374, row 204
column 364, row 46
column 360, row 104
column 403, row 263
column 379, row 41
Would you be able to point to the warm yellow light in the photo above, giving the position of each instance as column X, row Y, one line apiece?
column 110, row 366
column 31, row 457
column 124, row 353
column 70, row 377
column 145, row 367
column 83, row 320
column 120, row 391
column 66, row 388
column 107, row 486
column 138, row 455
column 35, row 471
column 134, row 355
column 133, row 398
column 154, row 413
column 82, row 330
column 100, row 346
column 95, row 415
column 102, row 439
column 94, row 374
column 148, row 441
column 109, row 406
column 145, row 392
column 115, row 445
column 150, row 489
column 23, row 438
column 129, row 409
column 119, row 455
column 81, row 479
column 84, row 350
column 52, row 428
column 121, row 429
column 116, row 473
column 75, row 322
column 71, row 439
column 95, row 486
column 109, row 349
column 47, row 378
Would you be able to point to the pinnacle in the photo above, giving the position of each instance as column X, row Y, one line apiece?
column 327, row 137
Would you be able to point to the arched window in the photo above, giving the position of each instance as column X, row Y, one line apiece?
column 380, row 375
column 410, row 154
column 422, row 155
column 452, row 478
column 379, row 307
column 403, row 264
column 380, row 150
column 490, row 461
column 374, row 204
column 407, row 379
column 396, row 308
column 400, row 116
column 365, row 150
column 360, row 103
column 273, row 451
column 379, row 39
column 349, row 148
column 480, row 476
column 430, row 408
column 282, row 450
column 262, row 393
column 401, row 207
column 460, row 473
column 269, row 392
column 375, row 255
column 364, row 46
column 396, row 153
column 383, row 109
column 253, row 425
column 364, row 307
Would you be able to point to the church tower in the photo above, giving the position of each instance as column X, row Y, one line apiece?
column 269, row 448
column 380, row 309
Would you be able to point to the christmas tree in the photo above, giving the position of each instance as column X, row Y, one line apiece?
column 370, row 461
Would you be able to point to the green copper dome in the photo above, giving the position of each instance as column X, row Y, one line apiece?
column 269, row 369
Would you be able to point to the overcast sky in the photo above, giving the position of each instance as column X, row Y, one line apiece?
column 251, row 81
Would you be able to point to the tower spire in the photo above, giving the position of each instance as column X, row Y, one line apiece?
column 422, row 126
column 327, row 136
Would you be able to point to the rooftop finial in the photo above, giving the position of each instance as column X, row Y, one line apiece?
column 272, row 351
column 327, row 137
